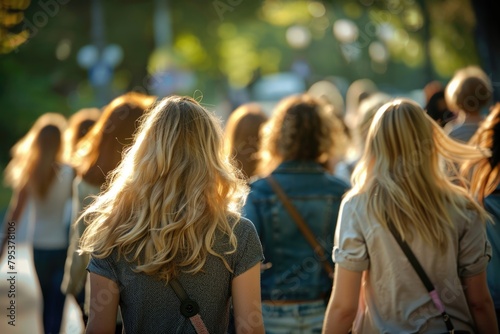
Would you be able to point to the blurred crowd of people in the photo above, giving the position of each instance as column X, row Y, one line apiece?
column 252, row 216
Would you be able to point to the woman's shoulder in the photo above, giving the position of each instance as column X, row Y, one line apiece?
column 353, row 199
column 337, row 183
column 259, row 188
column 466, row 217
column 245, row 233
column 257, row 183
column 242, row 227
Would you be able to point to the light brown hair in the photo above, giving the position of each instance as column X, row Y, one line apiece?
column 102, row 146
column 241, row 136
column 36, row 156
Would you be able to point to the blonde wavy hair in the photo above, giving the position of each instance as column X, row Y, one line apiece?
column 484, row 172
column 300, row 128
column 401, row 177
column 173, row 192
column 35, row 156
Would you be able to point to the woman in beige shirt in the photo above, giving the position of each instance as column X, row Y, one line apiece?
column 400, row 180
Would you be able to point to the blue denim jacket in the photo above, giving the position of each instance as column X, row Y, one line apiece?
column 296, row 272
column 492, row 205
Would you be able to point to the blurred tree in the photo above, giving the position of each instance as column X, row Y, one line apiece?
column 11, row 15
column 488, row 39
column 230, row 42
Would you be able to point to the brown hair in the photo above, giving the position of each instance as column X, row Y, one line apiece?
column 102, row 146
column 242, row 136
column 301, row 128
column 79, row 125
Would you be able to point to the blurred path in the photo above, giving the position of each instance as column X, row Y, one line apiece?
column 24, row 293
column 21, row 293
column 72, row 320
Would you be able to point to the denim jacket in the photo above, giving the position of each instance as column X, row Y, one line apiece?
column 296, row 272
column 492, row 205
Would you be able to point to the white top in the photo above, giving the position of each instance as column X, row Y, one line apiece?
column 50, row 214
column 396, row 301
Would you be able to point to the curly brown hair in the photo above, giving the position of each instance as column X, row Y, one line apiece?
column 301, row 128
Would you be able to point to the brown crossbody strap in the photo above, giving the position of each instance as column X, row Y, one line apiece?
column 301, row 224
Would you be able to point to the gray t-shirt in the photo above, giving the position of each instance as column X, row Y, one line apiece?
column 396, row 300
column 464, row 132
column 149, row 305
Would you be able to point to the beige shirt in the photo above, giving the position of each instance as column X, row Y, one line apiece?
column 396, row 300
column 75, row 272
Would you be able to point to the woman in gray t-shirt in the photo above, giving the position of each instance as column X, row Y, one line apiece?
column 171, row 211
column 399, row 180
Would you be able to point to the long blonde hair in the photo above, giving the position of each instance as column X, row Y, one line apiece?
column 174, row 189
column 400, row 177
column 36, row 156
column 300, row 128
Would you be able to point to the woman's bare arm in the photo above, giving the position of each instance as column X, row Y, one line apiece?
column 480, row 303
column 343, row 304
column 247, row 302
column 104, row 299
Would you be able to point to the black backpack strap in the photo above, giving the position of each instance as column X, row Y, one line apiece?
column 422, row 275
column 189, row 308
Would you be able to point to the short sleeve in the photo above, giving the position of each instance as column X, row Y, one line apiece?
column 349, row 249
column 249, row 251
column 102, row 267
column 474, row 248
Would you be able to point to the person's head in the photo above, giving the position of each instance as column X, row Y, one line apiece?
column 79, row 125
column 469, row 90
column 329, row 93
column 438, row 110
column 432, row 88
column 484, row 173
column 174, row 190
column 36, row 155
column 241, row 139
column 301, row 128
column 401, row 172
column 357, row 92
column 366, row 111
column 104, row 143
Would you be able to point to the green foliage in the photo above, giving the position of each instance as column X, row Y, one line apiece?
column 227, row 42
column 11, row 14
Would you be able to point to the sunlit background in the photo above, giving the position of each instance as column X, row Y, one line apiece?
column 63, row 55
